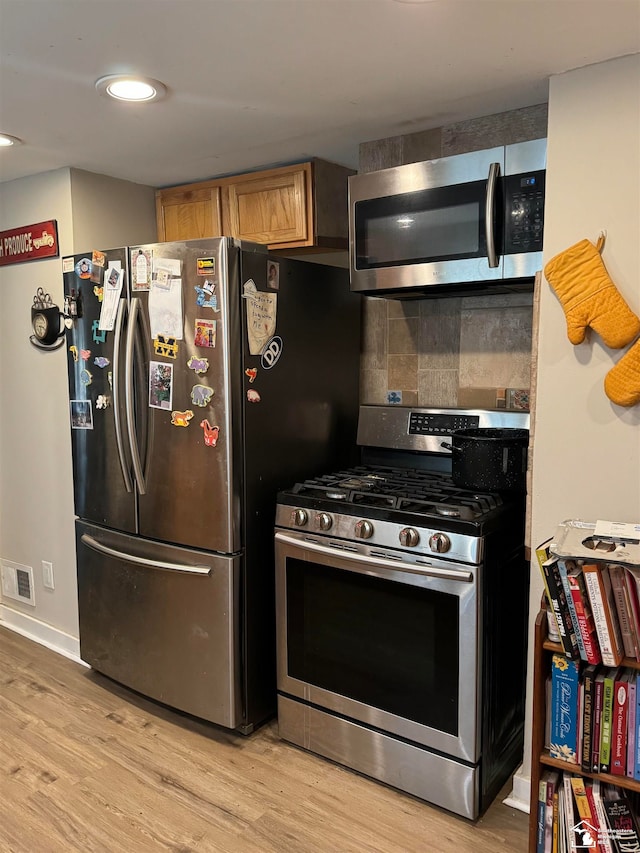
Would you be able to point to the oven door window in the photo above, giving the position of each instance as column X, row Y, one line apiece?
column 441, row 224
column 389, row 645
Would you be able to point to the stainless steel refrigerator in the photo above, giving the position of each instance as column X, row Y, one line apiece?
column 203, row 377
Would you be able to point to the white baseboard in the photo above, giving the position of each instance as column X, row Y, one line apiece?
column 40, row 632
column 520, row 793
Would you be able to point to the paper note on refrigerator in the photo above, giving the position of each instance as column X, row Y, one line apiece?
column 165, row 308
column 113, row 278
column 261, row 316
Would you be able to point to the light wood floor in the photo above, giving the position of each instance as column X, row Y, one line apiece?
column 87, row 766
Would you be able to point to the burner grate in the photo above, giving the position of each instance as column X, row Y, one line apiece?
column 430, row 493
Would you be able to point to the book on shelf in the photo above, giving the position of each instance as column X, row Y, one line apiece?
column 602, row 604
column 560, row 606
column 584, row 616
column 621, row 821
column 564, row 708
column 604, row 841
column 636, row 763
column 597, row 721
column 542, row 804
column 632, row 582
column 553, row 779
column 569, row 813
column 555, row 819
column 623, row 609
column 610, row 677
column 564, row 566
column 587, row 823
column 589, row 692
column 631, row 724
column 619, row 723
column 548, row 786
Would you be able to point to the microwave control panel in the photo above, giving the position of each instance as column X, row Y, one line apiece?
column 524, row 212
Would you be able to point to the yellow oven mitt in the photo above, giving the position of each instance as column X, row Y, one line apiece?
column 589, row 297
column 622, row 382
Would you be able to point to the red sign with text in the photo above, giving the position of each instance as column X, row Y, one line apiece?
column 29, row 243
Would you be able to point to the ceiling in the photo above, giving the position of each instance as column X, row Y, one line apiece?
column 254, row 83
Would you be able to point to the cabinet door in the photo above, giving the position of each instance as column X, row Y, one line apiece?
column 189, row 213
column 273, row 207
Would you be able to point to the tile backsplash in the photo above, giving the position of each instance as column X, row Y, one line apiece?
column 457, row 351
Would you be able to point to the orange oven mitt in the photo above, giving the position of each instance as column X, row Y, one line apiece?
column 622, row 382
column 589, row 297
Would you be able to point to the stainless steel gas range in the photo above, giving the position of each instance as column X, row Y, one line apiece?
column 401, row 614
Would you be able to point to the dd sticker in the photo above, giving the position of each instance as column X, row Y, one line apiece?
column 271, row 353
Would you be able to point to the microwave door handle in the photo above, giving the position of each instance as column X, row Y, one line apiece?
column 129, row 396
column 117, row 342
column 489, row 211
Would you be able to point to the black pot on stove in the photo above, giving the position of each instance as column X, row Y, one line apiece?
column 490, row 459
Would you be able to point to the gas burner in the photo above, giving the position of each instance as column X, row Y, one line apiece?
column 449, row 511
column 337, row 496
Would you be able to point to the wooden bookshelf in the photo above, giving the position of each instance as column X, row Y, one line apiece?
column 540, row 758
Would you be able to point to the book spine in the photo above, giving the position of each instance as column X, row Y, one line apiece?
column 631, row 726
column 634, row 602
column 605, row 730
column 595, row 821
column 622, row 824
column 603, row 838
column 587, row 718
column 580, row 797
column 584, row 618
column 636, row 763
column 556, row 818
column 563, row 571
column 560, row 607
column 564, row 708
column 619, row 725
column 542, row 804
column 610, row 611
column 552, row 783
column 597, row 725
column 569, row 814
column 597, row 600
column 542, row 555
column 618, row 588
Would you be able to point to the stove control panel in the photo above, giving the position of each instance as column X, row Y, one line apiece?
column 425, row 423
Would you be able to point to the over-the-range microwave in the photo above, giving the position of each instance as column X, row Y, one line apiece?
column 470, row 223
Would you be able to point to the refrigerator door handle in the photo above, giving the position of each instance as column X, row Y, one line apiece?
column 117, row 339
column 129, row 396
column 90, row 542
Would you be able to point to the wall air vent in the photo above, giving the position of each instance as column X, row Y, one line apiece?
column 17, row 582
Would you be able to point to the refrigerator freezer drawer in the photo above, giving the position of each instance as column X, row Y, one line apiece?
column 162, row 620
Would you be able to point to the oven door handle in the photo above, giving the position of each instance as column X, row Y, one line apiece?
column 362, row 562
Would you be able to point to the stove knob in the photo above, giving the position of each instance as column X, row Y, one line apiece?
column 409, row 537
column 323, row 521
column 363, row 529
column 439, row 542
column 299, row 517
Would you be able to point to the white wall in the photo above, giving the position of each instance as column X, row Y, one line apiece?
column 586, row 457
column 36, row 490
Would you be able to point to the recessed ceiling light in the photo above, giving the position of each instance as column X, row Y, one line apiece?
column 125, row 87
column 6, row 140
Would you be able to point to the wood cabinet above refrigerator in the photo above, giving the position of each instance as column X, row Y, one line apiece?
column 302, row 207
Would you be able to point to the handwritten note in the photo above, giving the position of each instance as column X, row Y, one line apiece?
column 261, row 316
